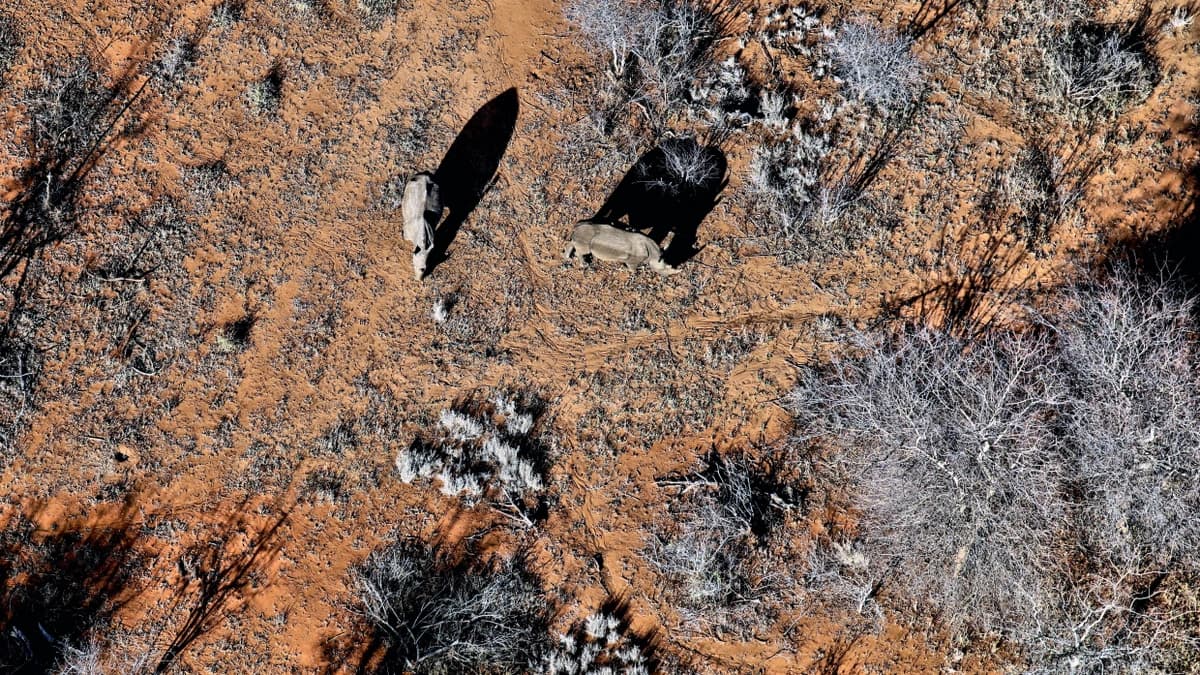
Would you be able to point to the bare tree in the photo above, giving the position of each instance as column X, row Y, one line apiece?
column 843, row 577
column 1109, row 620
column 1129, row 353
column 955, row 464
column 1129, row 349
column 1039, row 485
column 86, row 659
column 705, row 564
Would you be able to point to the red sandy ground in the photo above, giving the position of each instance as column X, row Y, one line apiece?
column 298, row 239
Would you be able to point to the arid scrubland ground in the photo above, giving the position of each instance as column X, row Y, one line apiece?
column 872, row 425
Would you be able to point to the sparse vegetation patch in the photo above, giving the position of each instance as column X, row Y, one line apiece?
column 717, row 561
column 484, row 452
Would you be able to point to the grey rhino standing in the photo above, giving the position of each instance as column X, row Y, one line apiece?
column 613, row 244
column 421, row 197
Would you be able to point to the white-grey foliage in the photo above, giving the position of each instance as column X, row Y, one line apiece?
column 472, row 456
column 794, row 29
column 875, row 64
column 1180, row 19
column 176, row 58
column 787, row 174
column 719, row 95
column 517, row 422
column 814, row 161
column 1041, row 485
column 773, row 106
column 460, row 427
column 600, row 645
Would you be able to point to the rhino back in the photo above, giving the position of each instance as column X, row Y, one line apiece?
column 413, row 205
column 614, row 244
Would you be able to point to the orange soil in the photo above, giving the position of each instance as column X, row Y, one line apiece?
column 299, row 241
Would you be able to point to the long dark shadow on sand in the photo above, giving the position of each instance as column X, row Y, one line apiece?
column 467, row 170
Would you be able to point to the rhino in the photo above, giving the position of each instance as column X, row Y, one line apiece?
column 421, row 206
column 605, row 242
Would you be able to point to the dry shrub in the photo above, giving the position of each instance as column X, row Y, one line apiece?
column 438, row 616
column 876, row 65
column 657, row 52
column 1040, row 486
column 717, row 560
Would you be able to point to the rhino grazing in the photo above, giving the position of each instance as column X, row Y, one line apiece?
column 613, row 244
column 421, row 205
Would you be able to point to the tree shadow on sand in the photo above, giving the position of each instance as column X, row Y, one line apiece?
column 1175, row 250
column 669, row 191
column 467, row 170
column 72, row 119
column 979, row 281
column 217, row 575
column 61, row 591
column 56, row 588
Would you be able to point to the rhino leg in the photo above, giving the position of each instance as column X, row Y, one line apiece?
column 663, row 268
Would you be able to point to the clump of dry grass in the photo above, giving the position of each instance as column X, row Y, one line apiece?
column 484, row 452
